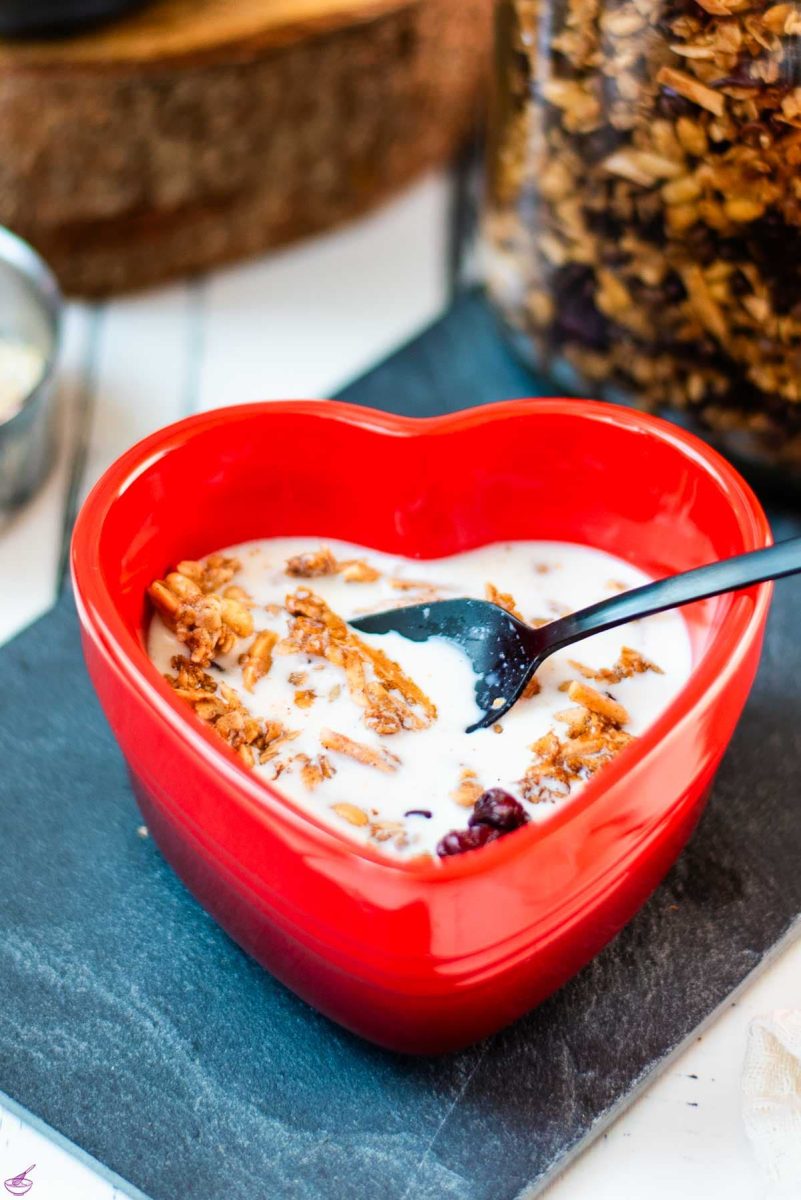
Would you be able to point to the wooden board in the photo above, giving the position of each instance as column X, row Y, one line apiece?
column 195, row 132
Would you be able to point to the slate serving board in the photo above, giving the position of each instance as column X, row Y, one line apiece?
column 130, row 1022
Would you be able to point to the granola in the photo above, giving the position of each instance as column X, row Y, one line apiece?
column 595, row 734
column 368, row 733
column 257, row 660
column 645, row 208
column 390, row 699
column 219, row 706
column 322, row 562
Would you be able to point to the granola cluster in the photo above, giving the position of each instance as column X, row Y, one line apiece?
column 390, row 699
column 645, row 203
column 595, row 731
column 219, row 706
column 322, row 562
column 206, row 622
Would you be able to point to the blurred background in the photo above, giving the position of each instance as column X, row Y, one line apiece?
column 180, row 168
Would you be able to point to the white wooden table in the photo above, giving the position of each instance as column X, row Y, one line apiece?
column 301, row 323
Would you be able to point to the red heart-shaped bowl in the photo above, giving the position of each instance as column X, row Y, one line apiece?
column 417, row 956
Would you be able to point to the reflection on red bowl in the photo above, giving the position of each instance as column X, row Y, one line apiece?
column 420, row 957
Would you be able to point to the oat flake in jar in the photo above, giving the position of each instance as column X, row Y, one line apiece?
column 643, row 225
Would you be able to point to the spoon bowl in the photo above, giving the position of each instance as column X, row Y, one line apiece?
column 505, row 652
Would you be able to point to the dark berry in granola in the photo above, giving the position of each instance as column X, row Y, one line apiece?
column 494, row 814
column 458, row 841
column 499, row 810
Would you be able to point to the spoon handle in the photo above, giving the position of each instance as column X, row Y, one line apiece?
column 774, row 562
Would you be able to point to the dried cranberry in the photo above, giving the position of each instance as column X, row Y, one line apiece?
column 458, row 841
column 497, row 809
column 673, row 288
column 671, row 104
column 578, row 319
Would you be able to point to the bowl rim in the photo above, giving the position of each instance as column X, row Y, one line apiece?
column 99, row 617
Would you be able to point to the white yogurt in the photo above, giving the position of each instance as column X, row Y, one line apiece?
column 546, row 580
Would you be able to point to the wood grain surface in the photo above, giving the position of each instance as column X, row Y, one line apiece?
column 195, row 132
column 183, row 30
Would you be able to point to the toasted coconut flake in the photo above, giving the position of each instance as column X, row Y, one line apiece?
column 504, row 600
column 692, row 89
column 386, row 831
column 595, row 701
column 630, row 662
column 351, row 814
column 258, row 659
column 314, row 771
column 371, row 756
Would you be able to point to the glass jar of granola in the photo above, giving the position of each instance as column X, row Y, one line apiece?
column 643, row 223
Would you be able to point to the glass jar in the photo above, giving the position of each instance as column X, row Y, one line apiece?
column 643, row 221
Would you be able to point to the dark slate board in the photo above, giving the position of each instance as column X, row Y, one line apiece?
column 130, row 1022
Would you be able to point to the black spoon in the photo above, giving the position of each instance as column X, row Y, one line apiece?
column 505, row 652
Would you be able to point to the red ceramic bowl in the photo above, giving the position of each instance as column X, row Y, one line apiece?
column 419, row 956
